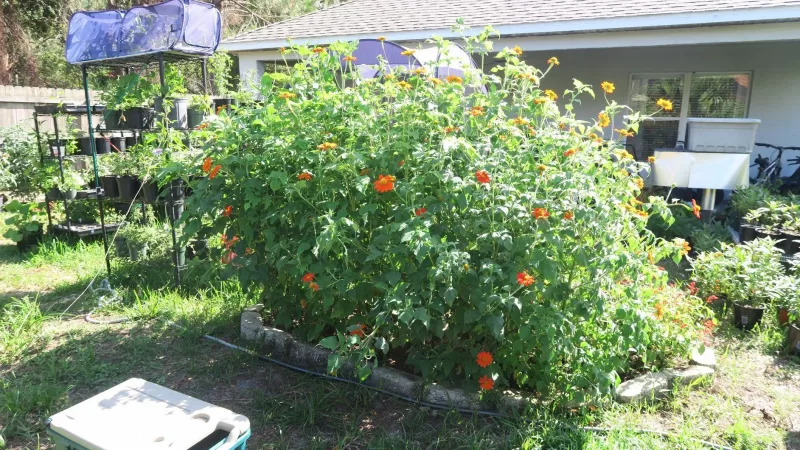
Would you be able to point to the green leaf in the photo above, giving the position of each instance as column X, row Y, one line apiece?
column 331, row 343
column 393, row 277
column 422, row 315
column 450, row 295
column 382, row 344
column 364, row 372
column 495, row 324
column 471, row 316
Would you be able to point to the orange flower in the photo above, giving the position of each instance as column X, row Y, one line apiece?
column 486, row 383
column 435, row 81
column 214, row 172
column 523, row 279
column 228, row 210
column 202, row 126
column 308, row 277
column 539, row 100
column 712, row 298
column 206, row 165
column 625, row 133
column 384, row 183
column 220, row 108
column 327, row 146
column 450, row 129
column 541, row 167
column 568, row 215
column 651, row 159
column 454, row 79
column 603, row 120
column 639, row 182
column 553, row 61
column 570, row 152
column 659, row 310
column 684, row 246
column 305, row 176
column 228, row 244
column 358, row 331
column 408, row 52
column 313, row 286
column 484, row 359
column 287, row 95
column 696, row 209
column 550, row 94
column 318, row 50
column 404, row 85
column 228, row 257
column 350, row 58
column 593, row 136
column 477, row 111
column 520, row 121
column 420, row 211
column 540, row 213
column 517, row 50
column 282, row 50
column 483, row 177
column 607, row 87
column 665, row 104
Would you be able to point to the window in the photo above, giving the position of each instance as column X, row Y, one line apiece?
column 711, row 95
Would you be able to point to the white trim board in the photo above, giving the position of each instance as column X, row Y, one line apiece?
column 652, row 23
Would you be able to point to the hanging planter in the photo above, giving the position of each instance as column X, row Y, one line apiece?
column 746, row 317
column 110, row 186
column 118, row 144
column 102, row 145
column 128, row 187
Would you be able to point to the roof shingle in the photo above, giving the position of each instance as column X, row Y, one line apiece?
column 374, row 17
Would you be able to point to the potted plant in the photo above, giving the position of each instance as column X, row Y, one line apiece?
column 199, row 107
column 108, row 181
column 793, row 319
column 757, row 280
column 127, row 100
column 102, row 145
column 220, row 65
column 171, row 102
column 124, row 166
column 70, row 183
column 790, row 231
column 26, row 223
column 118, row 144
column 144, row 240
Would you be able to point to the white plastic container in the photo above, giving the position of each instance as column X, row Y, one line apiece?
column 721, row 135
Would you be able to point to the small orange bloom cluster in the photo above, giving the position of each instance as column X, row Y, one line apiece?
column 634, row 211
column 433, row 80
column 571, row 152
column 523, row 279
column 550, row 94
column 684, row 246
column 227, row 257
column 214, row 171
column 325, row 146
column 625, row 133
column 484, row 359
column 450, row 129
column 569, row 215
column 659, row 310
column 520, row 121
column 309, row 278
column 696, row 209
column 287, row 95
column 483, row 177
column 305, row 176
column 540, row 213
column 420, row 211
column 454, row 79
column 529, row 77
column 639, row 182
column 384, row 183
column 359, row 331
column 318, row 50
column 408, row 52
column 404, row 85
column 603, row 120
column 477, row 111
column 227, row 211
column 517, row 50
column 207, row 164
column 350, row 58
column 553, row 61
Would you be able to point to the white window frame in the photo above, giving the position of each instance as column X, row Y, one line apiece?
column 687, row 91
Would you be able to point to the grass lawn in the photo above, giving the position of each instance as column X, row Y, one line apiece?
column 50, row 358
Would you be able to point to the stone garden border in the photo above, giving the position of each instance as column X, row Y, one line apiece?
column 282, row 346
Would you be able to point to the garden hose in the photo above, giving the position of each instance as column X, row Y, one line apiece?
column 423, row 403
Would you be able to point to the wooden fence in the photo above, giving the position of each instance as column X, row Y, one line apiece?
column 16, row 105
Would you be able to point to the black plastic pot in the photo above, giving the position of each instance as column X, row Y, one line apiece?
column 177, row 115
column 136, row 119
column 130, row 141
column 110, row 186
column 58, row 147
column 223, row 104
column 52, row 194
column 137, row 252
column 195, row 117
column 747, row 232
column 128, row 187
column 175, row 195
column 150, row 191
column 762, row 233
column 197, row 249
column 790, row 244
column 121, row 247
column 112, row 119
column 46, row 109
column 793, row 339
column 746, row 317
column 85, row 146
column 29, row 240
column 118, row 144
column 102, row 145
column 70, row 194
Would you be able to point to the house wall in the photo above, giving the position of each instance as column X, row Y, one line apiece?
column 775, row 93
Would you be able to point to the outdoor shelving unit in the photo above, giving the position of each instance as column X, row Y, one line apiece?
column 174, row 31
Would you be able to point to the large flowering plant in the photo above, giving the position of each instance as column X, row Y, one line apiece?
column 483, row 236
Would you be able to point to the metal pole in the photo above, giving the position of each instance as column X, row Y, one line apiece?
column 170, row 200
column 61, row 171
column 94, row 163
column 205, row 76
column 41, row 162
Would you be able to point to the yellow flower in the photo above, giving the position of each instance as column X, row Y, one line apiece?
column 651, row 159
column 539, row 100
column 477, row 111
column 420, row 71
column 327, row 146
column 541, row 167
column 684, row 246
column 625, row 133
column 408, row 52
column 665, row 104
column 520, row 121
column 553, row 61
column 318, row 50
column 381, row 38
column 607, row 87
column 435, row 81
column 517, row 50
column 350, row 58
column 454, row 79
column 623, row 154
column 603, row 120
column 550, row 94
column 287, row 95
column 404, row 84
column 639, row 182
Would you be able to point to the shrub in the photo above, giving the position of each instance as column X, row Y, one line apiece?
column 18, row 155
column 408, row 213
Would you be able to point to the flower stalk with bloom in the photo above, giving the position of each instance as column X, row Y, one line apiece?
column 486, row 383
column 666, row 105
column 517, row 50
column 524, row 279
column 325, row 146
column 214, row 172
column 607, row 87
column 696, row 209
column 553, row 61
column 483, row 177
column 550, row 94
column 207, row 164
column 455, row 79
column 305, row 176
column 477, row 111
column 540, row 213
column 603, row 120
column 384, row 183
column 484, row 359
column 420, row 211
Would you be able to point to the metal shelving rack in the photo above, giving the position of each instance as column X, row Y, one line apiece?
column 175, row 195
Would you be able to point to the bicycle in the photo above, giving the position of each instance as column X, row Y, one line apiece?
column 769, row 170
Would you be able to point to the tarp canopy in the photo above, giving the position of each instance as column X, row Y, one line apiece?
column 183, row 26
